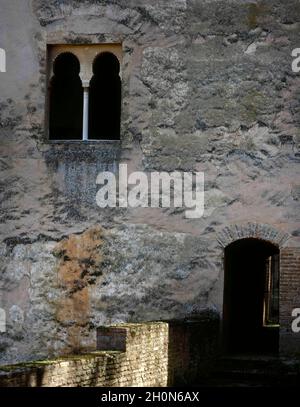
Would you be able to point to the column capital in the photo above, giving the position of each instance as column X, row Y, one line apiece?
column 85, row 84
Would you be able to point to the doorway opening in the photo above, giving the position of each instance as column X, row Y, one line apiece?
column 251, row 297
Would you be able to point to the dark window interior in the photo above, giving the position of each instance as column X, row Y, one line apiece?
column 65, row 98
column 105, row 98
column 251, row 303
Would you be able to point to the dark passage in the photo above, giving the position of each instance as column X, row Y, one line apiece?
column 66, row 99
column 105, row 98
column 251, row 303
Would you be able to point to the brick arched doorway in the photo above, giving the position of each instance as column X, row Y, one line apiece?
column 243, row 241
column 251, row 297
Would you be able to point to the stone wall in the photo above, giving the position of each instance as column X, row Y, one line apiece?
column 206, row 86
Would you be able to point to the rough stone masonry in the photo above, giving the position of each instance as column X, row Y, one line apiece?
column 207, row 85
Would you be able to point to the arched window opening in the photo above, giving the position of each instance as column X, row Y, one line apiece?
column 105, row 98
column 65, row 99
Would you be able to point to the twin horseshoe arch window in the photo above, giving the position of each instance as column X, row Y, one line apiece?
column 84, row 93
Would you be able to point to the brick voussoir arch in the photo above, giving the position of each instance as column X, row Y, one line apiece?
column 262, row 231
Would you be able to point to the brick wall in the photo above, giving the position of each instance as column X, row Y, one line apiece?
column 140, row 361
column 289, row 298
column 147, row 354
column 193, row 347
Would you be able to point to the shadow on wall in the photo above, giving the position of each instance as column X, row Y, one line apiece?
column 193, row 348
column 35, row 379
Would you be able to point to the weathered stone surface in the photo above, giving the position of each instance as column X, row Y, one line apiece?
column 105, row 276
column 206, row 86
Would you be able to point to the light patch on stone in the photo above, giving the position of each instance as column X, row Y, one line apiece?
column 80, row 260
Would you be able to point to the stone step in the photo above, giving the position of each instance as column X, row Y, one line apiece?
column 246, row 371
